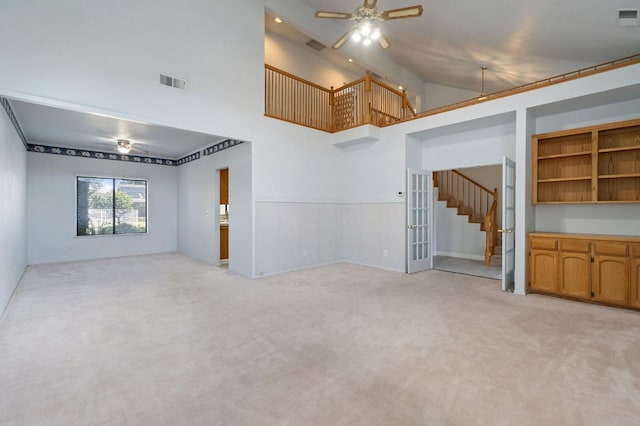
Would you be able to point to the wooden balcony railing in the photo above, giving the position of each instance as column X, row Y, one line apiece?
column 370, row 101
column 364, row 101
column 298, row 101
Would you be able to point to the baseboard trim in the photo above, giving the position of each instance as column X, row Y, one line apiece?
column 375, row 266
column 459, row 255
column 302, row 268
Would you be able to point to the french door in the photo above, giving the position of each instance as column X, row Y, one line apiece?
column 508, row 222
column 419, row 220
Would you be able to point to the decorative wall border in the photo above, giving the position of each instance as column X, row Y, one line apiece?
column 217, row 147
column 226, row 144
column 12, row 117
column 189, row 158
column 85, row 153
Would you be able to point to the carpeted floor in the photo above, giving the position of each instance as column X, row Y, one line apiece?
column 167, row 340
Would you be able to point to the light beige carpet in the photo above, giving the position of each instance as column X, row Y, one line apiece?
column 165, row 339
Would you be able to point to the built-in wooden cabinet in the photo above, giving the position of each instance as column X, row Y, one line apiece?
column 543, row 273
column 611, row 264
column 604, row 269
column 224, row 242
column 224, row 186
column 597, row 164
column 635, row 276
column 574, row 264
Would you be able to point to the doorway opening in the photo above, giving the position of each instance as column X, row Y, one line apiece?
column 224, row 217
column 467, row 217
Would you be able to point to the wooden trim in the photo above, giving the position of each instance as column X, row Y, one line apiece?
column 589, row 129
column 590, row 237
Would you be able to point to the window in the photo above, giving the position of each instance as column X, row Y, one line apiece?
column 108, row 206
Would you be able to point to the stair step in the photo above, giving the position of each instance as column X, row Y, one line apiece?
column 496, row 260
column 497, row 250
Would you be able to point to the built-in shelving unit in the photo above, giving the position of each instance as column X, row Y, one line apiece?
column 597, row 164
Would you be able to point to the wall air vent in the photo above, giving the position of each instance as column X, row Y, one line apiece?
column 627, row 17
column 316, row 45
column 167, row 80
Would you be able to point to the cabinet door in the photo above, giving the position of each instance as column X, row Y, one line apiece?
column 635, row 282
column 574, row 274
column 224, row 186
column 224, row 242
column 611, row 279
column 543, row 269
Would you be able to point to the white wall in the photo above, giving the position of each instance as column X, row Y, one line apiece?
column 298, row 203
column 478, row 147
column 198, row 207
column 436, row 95
column 304, row 62
column 13, row 209
column 106, row 57
column 51, row 195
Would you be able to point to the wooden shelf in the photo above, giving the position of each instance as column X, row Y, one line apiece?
column 622, row 175
column 620, row 149
column 572, row 154
column 564, row 179
column 596, row 164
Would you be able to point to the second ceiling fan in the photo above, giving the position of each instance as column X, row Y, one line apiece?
column 367, row 18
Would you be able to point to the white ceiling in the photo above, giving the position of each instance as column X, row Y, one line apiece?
column 63, row 128
column 519, row 41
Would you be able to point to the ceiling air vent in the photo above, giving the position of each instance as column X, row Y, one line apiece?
column 627, row 17
column 167, row 80
column 316, row 45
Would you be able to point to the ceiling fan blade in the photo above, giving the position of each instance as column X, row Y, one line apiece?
column 404, row 12
column 333, row 15
column 384, row 42
column 342, row 40
column 370, row 4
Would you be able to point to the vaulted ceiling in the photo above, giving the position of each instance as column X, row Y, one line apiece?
column 518, row 41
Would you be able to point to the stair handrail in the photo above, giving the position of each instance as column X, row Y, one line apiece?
column 491, row 228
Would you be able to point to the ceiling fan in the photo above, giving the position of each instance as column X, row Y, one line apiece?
column 123, row 146
column 367, row 18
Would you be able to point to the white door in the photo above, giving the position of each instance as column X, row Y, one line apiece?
column 419, row 220
column 508, row 222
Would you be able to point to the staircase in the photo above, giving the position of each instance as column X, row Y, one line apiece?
column 476, row 202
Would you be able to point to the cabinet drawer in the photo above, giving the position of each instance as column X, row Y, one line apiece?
column 612, row 249
column 544, row 243
column 635, row 250
column 578, row 246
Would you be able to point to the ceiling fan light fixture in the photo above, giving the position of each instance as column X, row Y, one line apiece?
column 365, row 28
column 375, row 34
column 366, row 41
column 356, row 37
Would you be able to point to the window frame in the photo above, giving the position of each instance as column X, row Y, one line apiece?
column 113, row 179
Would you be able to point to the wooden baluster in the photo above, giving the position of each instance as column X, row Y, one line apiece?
column 367, row 95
